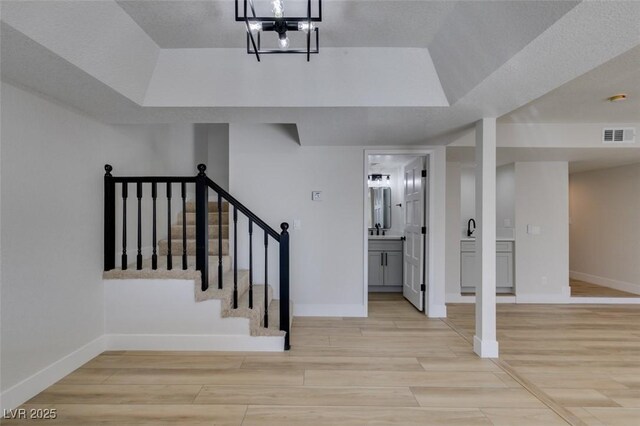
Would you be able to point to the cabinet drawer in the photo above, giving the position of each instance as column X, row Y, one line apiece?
column 385, row 245
column 467, row 246
column 501, row 246
column 504, row 246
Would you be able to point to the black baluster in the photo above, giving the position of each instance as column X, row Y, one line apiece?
column 266, row 280
column 219, row 241
column 202, row 226
column 139, row 256
column 235, row 257
column 169, row 260
column 284, row 284
column 250, row 264
column 154, row 256
column 184, row 225
column 125, row 190
column 109, row 219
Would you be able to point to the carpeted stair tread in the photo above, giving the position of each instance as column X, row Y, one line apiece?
column 212, row 219
column 213, row 206
column 176, row 247
column 163, row 273
column 176, row 231
column 274, row 314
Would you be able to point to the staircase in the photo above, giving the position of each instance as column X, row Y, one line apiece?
column 182, row 248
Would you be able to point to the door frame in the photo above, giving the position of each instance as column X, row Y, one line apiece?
column 430, row 155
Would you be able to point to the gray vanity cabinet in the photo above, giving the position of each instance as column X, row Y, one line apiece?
column 385, row 263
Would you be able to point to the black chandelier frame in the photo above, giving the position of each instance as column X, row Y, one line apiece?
column 271, row 23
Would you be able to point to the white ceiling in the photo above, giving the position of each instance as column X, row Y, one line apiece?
column 584, row 100
column 490, row 57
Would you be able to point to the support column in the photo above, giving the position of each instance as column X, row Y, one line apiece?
column 484, row 342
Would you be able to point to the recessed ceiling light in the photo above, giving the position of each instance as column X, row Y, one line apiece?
column 617, row 98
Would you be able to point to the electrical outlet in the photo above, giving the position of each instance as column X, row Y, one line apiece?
column 316, row 195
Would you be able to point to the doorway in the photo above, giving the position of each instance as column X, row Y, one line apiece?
column 396, row 205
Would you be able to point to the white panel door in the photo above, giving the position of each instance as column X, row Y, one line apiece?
column 414, row 247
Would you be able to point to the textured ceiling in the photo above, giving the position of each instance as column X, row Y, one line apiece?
column 199, row 24
column 584, row 99
column 40, row 51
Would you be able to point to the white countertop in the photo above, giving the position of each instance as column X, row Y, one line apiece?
column 385, row 237
column 497, row 239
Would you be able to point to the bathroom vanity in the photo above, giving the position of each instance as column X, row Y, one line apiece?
column 505, row 250
column 385, row 264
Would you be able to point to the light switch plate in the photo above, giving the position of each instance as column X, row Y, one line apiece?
column 316, row 195
column 297, row 224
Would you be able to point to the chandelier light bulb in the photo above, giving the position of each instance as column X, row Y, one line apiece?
column 283, row 41
column 278, row 8
column 305, row 26
column 255, row 26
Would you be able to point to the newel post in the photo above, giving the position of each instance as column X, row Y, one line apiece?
column 202, row 226
column 284, row 284
column 109, row 219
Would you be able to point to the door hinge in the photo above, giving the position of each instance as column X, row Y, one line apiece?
column 424, row 173
column 423, row 287
column 424, row 230
column 403, row 238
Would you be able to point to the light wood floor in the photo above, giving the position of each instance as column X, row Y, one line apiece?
column 584, row 289
column 394, row 368
column 584, row 360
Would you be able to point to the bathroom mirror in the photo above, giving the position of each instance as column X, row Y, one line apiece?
column 380, row 202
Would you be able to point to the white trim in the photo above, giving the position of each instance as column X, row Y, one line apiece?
column 606, row 282
column 329, row 310
column 430, row 153
column 485, row 348
column 543, row 298
column 33, row 385
column 605, row 300
column 437, row 311
column 458, row 298
column 173, row 342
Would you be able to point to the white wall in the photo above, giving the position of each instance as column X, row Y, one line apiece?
column 453, row 228
column 542, row 261
column 505, row 199
column 605, row 229
column 52, row 221
column 275, row 176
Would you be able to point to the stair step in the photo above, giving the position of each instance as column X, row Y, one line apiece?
column 162, row 271
column 213, row 218
column 213, row 206
column 274, row 314
column 176, row 247
column 176, row 231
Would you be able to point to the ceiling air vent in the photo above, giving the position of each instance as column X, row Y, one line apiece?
column 619, row 135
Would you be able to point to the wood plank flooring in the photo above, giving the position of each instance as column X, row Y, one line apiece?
column 585, row 289
column 585, row 359
column 396, row 367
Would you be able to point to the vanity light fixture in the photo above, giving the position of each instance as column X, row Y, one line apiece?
column 275, row 21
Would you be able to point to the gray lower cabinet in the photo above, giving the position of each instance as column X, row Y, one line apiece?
column 385, row 264
column 504, row 267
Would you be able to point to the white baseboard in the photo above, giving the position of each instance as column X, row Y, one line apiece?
column 605, row 300
column 544, row 298
column 321, row 310
column 485, row 348
column 169, row 342
column 458, row 298
column 437, row 311
column 606, row 282
column 31, row 386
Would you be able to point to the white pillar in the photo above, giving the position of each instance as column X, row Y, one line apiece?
column 484, row 342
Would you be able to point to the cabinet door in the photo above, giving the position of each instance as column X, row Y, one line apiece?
column 393, row 268
column 504, row 270
column 375, row 268
column 468, row 277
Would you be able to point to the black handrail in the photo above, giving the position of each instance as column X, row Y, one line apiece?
column 202, row 186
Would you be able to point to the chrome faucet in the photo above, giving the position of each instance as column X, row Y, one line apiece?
column 469, row 230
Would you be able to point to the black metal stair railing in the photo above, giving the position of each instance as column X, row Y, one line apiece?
column 202, row 186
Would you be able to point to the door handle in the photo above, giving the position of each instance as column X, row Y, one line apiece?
column 381, row 259
column 386, row 259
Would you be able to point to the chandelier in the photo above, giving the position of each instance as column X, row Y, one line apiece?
column 269, row 29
